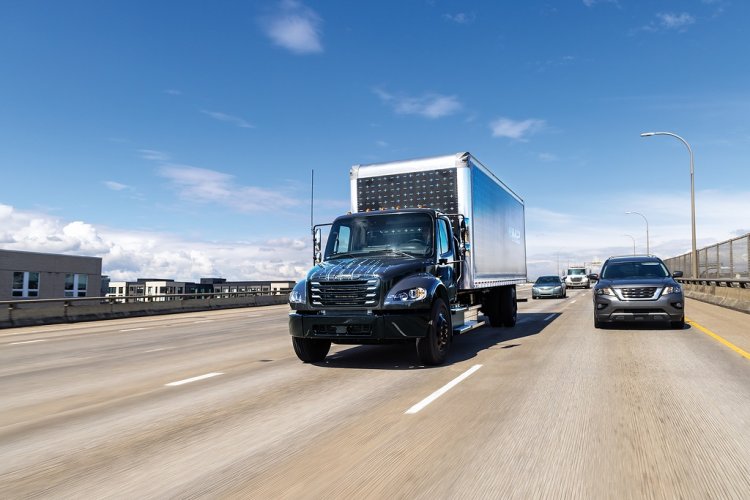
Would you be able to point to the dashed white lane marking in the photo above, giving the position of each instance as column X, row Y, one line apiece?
column 194, row 379
column 203, row 321
column 573, row 301
column 447, row 387
column 159, row 349
column 28, row 342
column 549, row 317
column 133, row 329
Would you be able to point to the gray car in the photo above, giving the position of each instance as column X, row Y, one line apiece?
column 638, row 288
column 548, row 286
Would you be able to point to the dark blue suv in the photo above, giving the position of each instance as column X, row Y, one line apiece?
column 638, row 288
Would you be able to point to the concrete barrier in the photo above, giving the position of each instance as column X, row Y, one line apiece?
column 52, row 312
column 724, row 296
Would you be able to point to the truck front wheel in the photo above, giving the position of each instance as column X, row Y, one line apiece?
column 311, row 350
column 433, row 348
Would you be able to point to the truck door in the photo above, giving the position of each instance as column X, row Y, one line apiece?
column 446, row 255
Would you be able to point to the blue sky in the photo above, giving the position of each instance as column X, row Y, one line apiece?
column 176, row 139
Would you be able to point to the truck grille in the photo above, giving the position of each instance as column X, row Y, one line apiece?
column 638, row 293
column 576, row 280
column 357, row 293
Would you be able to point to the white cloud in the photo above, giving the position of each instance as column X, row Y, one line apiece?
column 223, row 117
column 460, row 17
column 295, row 27
column 675, row 21
column 548, row 157
column 128, row 255
column 591, row 3
column 153, row 155
column 115, row 186
column 430, row 105
column 669, row 21
column 519, row 130
column 210, row 186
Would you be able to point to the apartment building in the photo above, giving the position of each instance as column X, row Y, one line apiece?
column 33, row 275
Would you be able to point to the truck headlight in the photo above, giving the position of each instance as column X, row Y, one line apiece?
column 605, row 291
column 672, row 289
column 405, row 296
column 299, row 293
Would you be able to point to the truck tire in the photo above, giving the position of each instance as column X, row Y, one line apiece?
column 433, row 348
column 491, row 308
column 311, row 350
column 508, row 306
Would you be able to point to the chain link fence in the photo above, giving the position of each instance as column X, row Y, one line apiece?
column 728, row 259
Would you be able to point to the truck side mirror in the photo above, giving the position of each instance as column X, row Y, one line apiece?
column 317, row 237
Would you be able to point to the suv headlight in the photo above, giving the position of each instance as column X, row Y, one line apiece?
column 407, row 296
column 672, row 289
column 605, row 291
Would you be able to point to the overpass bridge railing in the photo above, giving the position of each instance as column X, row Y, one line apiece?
column 728, row 261
column 22, row 312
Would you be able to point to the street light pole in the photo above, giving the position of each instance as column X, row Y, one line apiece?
column 648, row 247
column 694, row 253
column 633, row 238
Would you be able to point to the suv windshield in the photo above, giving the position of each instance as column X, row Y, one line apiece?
column 624, row 270
column 358, row 235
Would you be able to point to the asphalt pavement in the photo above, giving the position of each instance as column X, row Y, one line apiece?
column 216, row 404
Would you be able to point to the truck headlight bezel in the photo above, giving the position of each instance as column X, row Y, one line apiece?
column 298, row 295
column 407, row 296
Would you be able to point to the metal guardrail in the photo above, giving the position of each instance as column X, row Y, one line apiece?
column 721, row 282
column 728, row 259
column 72, row 301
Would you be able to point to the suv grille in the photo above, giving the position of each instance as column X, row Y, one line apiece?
column 358, row 293
column 638, row 293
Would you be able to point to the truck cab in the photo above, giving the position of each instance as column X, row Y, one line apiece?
column 384, row 277
column 576, row 277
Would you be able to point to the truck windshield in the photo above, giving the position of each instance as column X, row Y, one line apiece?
column 358, row 235
column 576, row 272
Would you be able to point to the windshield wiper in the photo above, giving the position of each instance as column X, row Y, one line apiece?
column 399, row 252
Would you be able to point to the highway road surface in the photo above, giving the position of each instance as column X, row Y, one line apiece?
column 216, row 404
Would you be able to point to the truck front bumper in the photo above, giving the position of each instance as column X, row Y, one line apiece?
column 360, row 327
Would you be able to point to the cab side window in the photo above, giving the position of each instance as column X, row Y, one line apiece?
column 444, row 246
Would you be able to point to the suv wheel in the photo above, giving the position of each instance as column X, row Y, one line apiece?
column 597, row 323
column 678, row 325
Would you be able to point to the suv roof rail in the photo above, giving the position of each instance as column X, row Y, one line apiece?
column 630, row 256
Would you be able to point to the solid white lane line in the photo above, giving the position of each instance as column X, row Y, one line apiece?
column 133, row 329
column 194, row 379
column 447, row 387
column 28, row 342
column 549, row 317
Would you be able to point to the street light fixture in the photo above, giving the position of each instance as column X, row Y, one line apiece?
column 694, row 253
column 633, row 238
column 648, row 248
